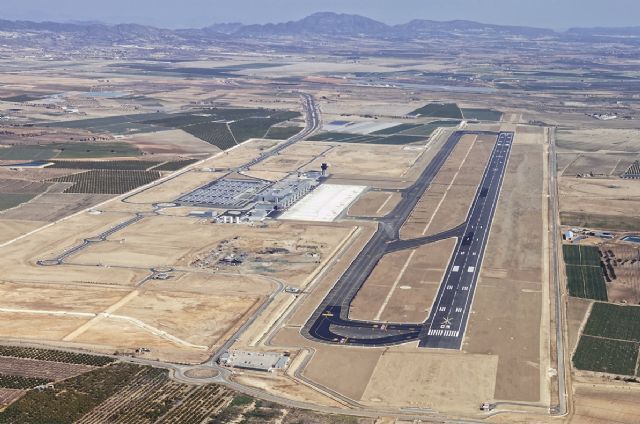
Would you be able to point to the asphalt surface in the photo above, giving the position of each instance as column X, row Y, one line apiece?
column 446, row 324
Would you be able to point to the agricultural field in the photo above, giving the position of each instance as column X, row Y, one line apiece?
column 585, row 277
column 11, row 200
column 606, row 355
column 427, row 129
column 439, row 110
column 395, row 129
column 51, row 355
column 175, row 165
column 125, row 393
column 20, row 382
column 481, row 114
column 392, row 139
column 107, row 181
column 111, row 164
column 282, row 133
column 621, row 263
column 68, row 151
column 610, row 340
column 215, row 133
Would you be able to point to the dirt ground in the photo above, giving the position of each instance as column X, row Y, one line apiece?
column 403, row 285
column 451, row 382
column 171, row 142
column 576, row 311
column 507, row 309
column 441, row 207
column 374, row 204
column 600, row 404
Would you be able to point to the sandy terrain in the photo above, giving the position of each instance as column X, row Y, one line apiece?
column 403, row 285
column 374, row 204
column 451, row 382
column 508, row 302
column 172, row 142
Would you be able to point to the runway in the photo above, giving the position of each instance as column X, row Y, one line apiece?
column 446, row 324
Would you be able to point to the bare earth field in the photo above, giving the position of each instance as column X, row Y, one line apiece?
column 508, row 305
column 374, row 204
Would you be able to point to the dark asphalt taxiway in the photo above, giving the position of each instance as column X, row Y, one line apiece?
column 446, row 324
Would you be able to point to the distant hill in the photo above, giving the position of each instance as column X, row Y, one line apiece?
column 326, row 25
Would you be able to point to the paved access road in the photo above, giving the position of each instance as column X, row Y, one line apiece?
column 446, row 324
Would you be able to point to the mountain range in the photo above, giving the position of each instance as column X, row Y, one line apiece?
column 327, row 25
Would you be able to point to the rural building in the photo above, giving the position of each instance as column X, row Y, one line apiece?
column 257, row 361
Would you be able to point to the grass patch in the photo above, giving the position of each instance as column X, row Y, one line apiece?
column 439, row 110
column 481, row 114
column 11, row 200
column 605, row 355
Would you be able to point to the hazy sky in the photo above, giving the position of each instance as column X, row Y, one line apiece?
column 558, row 14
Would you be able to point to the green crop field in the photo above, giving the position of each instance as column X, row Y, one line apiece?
column 20, row 382
column 614, row 321
column 584, row 274
column 54, row 356
column 11, row 200
column 439, row 110
column 606, row 355
column 581, row 255
column 175, row 165
column 395, row 129
column 216, row 133
column 427, row 129
column 282, row 133
column 112, row 164
column 42, row 152
column 101, row 181
column 610, row 340
column 481, row 114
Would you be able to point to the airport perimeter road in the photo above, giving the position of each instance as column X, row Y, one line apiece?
column 446, row 324
column 313, row 122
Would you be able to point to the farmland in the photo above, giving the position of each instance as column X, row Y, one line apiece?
column 584, row 273
column 11, row 200
column 20, row 382
column 215, row 133
column 439, row 110
column 44, row 369
column 393, row 139
column 174, row 165
column 107, row 181
column 112, row 164
column 610, row 340
column 606, row 355
column 282, row 133
column 481, row 114
column 54, row 356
